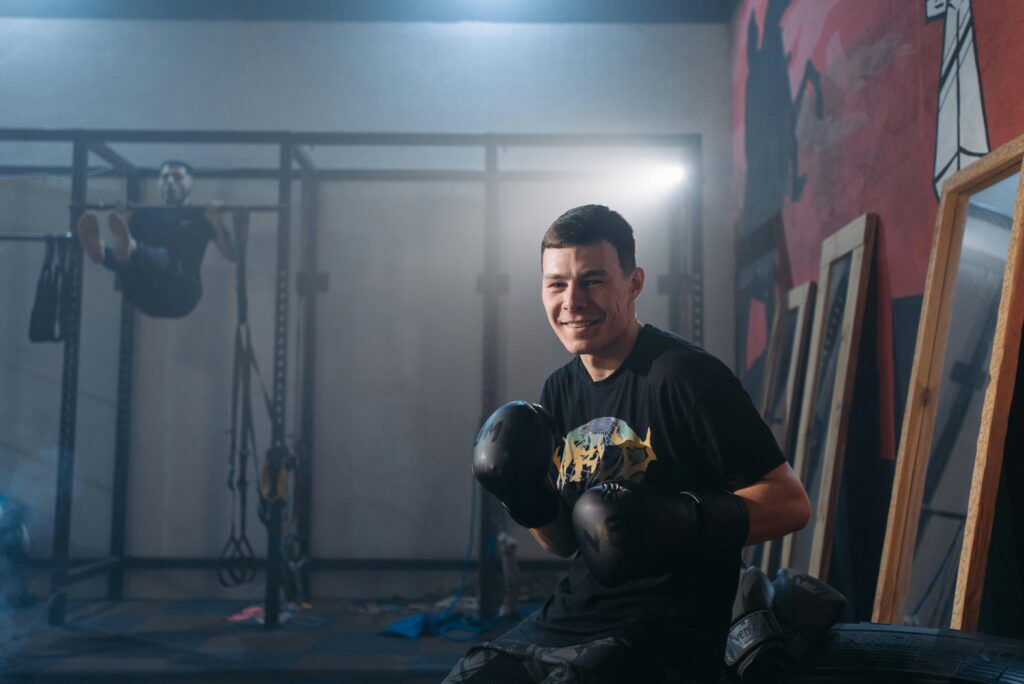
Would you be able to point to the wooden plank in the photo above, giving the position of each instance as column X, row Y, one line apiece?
column 794, row 300
column 995, row 417
column 998, row 164
column 801, row 300
column 919, row 413
column 806, row 407
column 773, row 355
column 847, row 238
column 798, row 365
column 842, row 392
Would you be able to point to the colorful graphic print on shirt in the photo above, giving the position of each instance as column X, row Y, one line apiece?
column 604, row 449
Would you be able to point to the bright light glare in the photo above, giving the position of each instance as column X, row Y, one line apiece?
column 659, row 176
column 653, row 179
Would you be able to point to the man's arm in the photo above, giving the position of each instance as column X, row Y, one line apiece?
column 557, row 537
column 222, row 239
column 777, row 504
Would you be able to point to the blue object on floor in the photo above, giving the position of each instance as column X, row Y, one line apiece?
column 443, row 625
column 411, row 627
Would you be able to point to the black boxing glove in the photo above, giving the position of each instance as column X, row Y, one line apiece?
column 805, row 607
column 756, row 647
column 627, row 530
column 513, row 458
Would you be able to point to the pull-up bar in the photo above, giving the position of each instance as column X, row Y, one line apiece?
column 108, row 206
column 28, row 237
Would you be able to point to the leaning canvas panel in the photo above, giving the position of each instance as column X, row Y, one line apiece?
column 828, row 389
column 961, row 388
column 783, row 386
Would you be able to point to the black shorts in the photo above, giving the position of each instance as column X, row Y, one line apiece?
column 608, row 660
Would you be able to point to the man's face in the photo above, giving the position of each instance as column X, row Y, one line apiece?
column 175, row 184
column 590, row 302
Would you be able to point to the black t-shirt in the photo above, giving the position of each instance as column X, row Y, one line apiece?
column 183, row 231
column 674, row 417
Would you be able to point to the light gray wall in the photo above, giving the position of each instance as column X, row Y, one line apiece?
column 399, row 341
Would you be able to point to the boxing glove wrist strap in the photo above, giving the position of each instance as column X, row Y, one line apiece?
column 722, row 518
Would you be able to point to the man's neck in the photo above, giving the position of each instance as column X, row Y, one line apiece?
column 603, row 365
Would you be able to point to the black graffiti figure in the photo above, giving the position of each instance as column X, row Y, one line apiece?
column 773, row 173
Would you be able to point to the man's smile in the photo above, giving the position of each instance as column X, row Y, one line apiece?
column 582, row 324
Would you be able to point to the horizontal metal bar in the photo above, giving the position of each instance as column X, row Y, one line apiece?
column 501, row 140
column 421, row 565
column 54, row 170
column 327, row 564
column 341, row 139
column 204, row 137
column 28, row 237
column 89, row 570
column 107, row 206
column 431, row 175
column 435, row 175
column 401, row 175
column 274, row 173
column 382, row 175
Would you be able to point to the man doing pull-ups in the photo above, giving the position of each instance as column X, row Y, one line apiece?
column 158, row 251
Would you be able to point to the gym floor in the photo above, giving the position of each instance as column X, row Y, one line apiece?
column 195, row 641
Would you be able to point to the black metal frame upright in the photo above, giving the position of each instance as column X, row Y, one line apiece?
column 311, row 282
column 683, row 286
column 68, row 398
column 492, row 284
column 122, row 435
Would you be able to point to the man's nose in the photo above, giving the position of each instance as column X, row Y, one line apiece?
column 575, row 297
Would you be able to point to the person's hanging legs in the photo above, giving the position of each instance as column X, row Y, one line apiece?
column 124, row 245
column 89, row 236
column 150, row 278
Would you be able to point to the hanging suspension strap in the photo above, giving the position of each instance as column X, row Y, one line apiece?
column 48, row 320
column 42, row 324
column 237, row 564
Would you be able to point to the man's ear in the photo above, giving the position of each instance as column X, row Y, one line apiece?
column 636, row 282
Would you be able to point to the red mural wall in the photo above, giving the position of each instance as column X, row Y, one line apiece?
column 836, row 112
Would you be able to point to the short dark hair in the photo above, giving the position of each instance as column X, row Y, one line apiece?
column 588, row 225
column 178, row 162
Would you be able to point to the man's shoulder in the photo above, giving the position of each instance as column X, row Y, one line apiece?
column 673, row 357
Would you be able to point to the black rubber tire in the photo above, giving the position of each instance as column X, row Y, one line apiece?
column 877, row 654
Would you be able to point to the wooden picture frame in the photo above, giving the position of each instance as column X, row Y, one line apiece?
column 846, row 258
column 924, row 396
column 785, row 368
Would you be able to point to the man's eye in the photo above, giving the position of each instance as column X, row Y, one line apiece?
column 592, row 283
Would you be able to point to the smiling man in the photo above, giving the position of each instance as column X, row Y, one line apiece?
column 661, row 471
